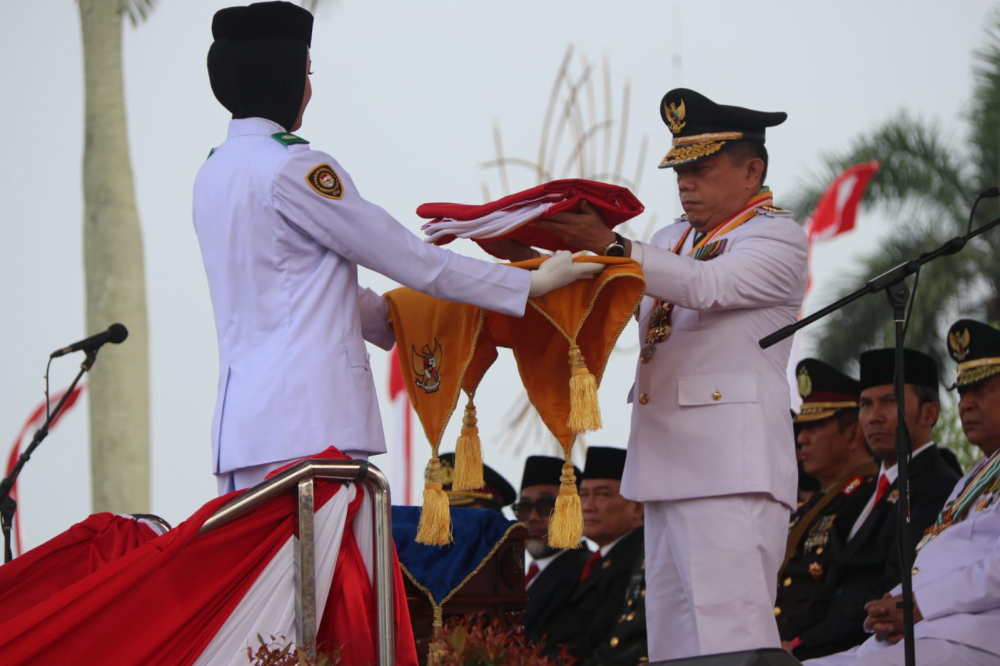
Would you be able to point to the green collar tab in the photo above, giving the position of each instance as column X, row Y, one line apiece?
column 288, row 138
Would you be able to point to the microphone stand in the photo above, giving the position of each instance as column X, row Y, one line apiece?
column 7, row 504
column 894, row 285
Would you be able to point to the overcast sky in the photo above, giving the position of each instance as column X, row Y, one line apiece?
column 405, row 97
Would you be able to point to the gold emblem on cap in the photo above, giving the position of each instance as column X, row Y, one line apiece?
column 675, row 116
column 959, row 343
column 805, row 383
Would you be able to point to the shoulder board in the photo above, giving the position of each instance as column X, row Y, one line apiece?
column 773, row 211
column 852, row 486
column 210, row 153
column 288, row 138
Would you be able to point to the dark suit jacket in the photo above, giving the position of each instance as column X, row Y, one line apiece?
column 627, row 645
column 549, row 595
column 593, row 609
column 868, row 566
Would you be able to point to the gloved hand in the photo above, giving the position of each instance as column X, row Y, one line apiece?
column 559, row 271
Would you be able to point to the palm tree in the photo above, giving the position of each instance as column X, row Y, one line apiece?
column 113, row 266
column 927, row 183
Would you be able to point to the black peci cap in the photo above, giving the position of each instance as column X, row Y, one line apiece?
column 975, row 346
column 824, row 390
column 878, row 367
column 604, row 462
column 544, row 470
column 701, row 127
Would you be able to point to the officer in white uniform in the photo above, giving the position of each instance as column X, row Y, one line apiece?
column 282, row 230
column 956, row 575
column 711, row 449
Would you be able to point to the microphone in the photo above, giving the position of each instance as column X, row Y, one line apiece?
column 115, row 334
column 990, row 193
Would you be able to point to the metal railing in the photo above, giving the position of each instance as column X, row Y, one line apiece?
column 302, row 476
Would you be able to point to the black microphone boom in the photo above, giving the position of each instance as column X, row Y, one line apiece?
column 115, row 334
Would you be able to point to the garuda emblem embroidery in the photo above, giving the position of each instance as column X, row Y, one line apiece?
column 427, row 367
column 959, row 343
column 805, row 383
column 675, row 116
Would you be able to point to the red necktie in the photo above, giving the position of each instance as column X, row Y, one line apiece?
column 588, row 568
column 883, row 485
column 532, row 572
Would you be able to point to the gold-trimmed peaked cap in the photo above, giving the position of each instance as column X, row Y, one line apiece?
column 824, row 390
column 975, row 346
column 701, row 127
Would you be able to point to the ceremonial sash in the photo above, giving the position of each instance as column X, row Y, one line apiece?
column 956, row 510
column 709, row 247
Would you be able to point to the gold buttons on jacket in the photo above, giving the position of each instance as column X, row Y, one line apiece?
column 786, row 582
column 643, row 399
column 717, row 396
column 915, row 571
column 777, row 611
column 630, row 616
column 614, row 641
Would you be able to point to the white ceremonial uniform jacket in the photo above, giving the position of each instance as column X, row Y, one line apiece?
column 956, row 577
column 281, row 243
column 710, row 411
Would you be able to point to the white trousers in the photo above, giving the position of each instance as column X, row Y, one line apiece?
column 711, row 574
column 928, row 652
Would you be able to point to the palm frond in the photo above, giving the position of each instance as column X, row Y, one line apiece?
column 918, row 165
column 139, row 10
column 946, row 286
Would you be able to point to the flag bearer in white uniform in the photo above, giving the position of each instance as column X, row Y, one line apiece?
column 711, row 449
column 956, row 575
column 283, row 229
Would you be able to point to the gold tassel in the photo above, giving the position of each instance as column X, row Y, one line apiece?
column 566, row 526
column 438, row 648
column 434, row 528
column 584, row 411
column 469, row 453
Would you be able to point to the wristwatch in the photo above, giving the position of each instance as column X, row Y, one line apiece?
column 616, row 248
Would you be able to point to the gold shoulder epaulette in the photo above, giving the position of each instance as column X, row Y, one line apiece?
column 773, row 211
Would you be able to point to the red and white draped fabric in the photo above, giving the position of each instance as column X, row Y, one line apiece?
column 35, row 421
column 182, row 598
column 401, row 446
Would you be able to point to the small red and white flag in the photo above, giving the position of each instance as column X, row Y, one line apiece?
column 401, row 446
column 838, row 207
column 35, row 421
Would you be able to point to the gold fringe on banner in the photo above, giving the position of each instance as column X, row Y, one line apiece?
column 584, row 410
column 434, row 528
column 566, row 526
column 469, row 453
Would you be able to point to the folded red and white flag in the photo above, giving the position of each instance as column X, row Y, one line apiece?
column 511, row 216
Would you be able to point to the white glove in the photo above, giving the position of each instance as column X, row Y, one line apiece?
column 559, row 271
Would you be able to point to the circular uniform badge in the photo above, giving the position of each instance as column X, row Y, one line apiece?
column 324, row 180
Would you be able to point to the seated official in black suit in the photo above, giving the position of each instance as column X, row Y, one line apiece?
column 832, row 449
column 554, row 573
column 615, row 525
column 866, row 553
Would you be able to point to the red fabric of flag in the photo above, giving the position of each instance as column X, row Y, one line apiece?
column 838, row 207
column 615, row 203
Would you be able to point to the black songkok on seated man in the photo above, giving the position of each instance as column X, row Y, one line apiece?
column 878, row 367
column 604, row 462
column 257, row 64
